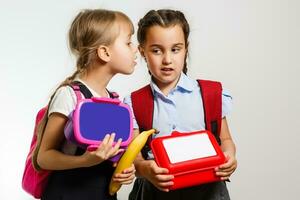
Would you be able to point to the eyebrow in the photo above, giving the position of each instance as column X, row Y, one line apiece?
column 158, row 45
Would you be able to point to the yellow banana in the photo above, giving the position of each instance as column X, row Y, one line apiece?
column 129, row 156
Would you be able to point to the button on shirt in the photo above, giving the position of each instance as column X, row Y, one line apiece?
column 182, row 109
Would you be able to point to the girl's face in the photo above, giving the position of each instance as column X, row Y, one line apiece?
column 123, row 51
column 165, row 51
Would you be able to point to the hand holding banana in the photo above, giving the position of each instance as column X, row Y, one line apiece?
column 129, row 156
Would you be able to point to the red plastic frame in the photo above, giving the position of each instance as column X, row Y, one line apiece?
column 191, row 172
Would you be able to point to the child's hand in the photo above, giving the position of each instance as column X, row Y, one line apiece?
column 158, row 176
column 104, row 151
column 225, row 170
column 126, row 177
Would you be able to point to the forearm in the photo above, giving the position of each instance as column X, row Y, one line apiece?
column 141, row 166
column 225, row 170
column 55, row 160
column 228, row 146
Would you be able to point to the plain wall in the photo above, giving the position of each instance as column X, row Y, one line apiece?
column 252, row 46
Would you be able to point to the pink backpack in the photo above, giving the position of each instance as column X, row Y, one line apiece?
column 34, row 182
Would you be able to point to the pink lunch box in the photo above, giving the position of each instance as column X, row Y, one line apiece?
column 93, row 118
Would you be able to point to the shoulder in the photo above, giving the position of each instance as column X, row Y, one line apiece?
column 215, row 87
column 137, row 93
column 142, row 90
column 64, row 101
column 65, row 92
column 212, row 85
column 143, row 96
column 226, row 94
column 227, row 103
column 209, row 83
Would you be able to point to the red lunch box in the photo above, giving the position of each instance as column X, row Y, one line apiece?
column 190, row 157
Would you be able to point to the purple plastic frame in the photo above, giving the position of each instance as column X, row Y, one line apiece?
column 93, row 144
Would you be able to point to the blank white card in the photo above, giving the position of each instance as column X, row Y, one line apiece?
column 188, row 148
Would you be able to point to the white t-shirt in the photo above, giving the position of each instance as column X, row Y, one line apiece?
column 64, row 100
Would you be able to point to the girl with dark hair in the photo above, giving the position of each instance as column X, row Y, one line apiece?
column 177, row 106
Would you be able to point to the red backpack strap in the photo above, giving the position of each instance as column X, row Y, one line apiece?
column 211, row 92
column 143, row 105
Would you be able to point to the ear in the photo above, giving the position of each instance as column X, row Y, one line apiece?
column 187, row 47
column 141, row 50
column 104, row 53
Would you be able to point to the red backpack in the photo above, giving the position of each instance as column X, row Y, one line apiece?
column 34, row 182
column 211, row 91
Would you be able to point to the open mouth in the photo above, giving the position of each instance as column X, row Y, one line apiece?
column 166, row 69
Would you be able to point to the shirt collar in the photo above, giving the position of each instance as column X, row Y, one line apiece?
column 185, row 83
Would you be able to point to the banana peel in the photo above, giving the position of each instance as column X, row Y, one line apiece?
column 129, row 156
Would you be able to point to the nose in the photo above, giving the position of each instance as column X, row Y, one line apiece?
column 167, row 59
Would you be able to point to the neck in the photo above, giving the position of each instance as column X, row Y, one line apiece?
column 165, row 88
column 97, row 78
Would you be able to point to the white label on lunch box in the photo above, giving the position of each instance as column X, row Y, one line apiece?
column 189, row 147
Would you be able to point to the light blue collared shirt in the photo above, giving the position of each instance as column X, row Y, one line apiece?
column 182, row 109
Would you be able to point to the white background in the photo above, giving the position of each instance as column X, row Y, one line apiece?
column 252, row 46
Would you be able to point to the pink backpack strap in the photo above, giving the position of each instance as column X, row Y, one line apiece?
column 76, row 89
column 79, row 89
column 113, row 95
